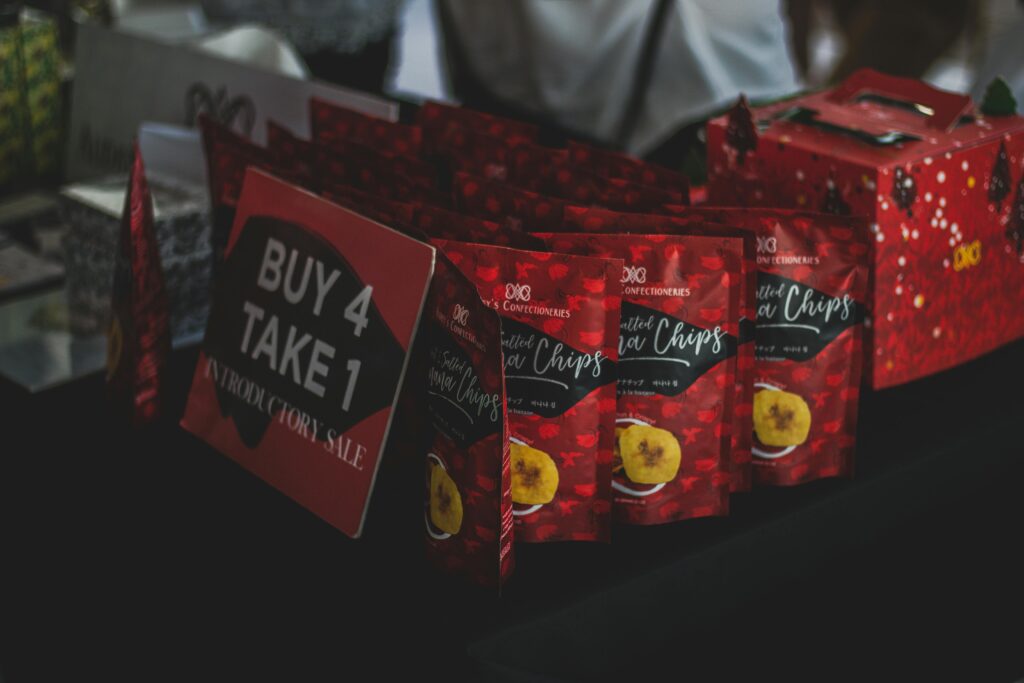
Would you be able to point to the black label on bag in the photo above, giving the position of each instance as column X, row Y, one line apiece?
column 458, row 404
column 545, row 375
column 660, row 354
column 293, row 329
column 796, row 321
column 747, row 330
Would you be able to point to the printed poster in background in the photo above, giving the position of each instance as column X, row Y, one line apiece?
column 154, row 81
column 307, row 344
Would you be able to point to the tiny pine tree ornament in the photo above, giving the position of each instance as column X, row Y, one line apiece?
column 834, row 201
column 998, row 99
column 1015, row 227
column 741, row 133
column 999, row 184
column 904, row 191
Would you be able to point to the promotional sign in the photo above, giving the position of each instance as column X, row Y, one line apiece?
column 310, row 328
column 174, row 84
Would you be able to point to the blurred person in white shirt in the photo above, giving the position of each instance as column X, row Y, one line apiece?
column 640, row 75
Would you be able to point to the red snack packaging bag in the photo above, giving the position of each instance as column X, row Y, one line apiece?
column 290, row 151
column 139, row 338
column 468, row 505
column 424, row 221
column 436, row 118
column 604, row 221
column 811, row 296
column 228, row 155
column 465, row 140
column 347, row 162
column 560, row 320
column 356, row 162
column 391, row 176
column 448, row 225
column 471, row 151
column 502, row 203
column 533, row 167
column 383, row 184
column 615, row 165
column 583, row 186
column 331, row 124
column 386, row 211
column 677, row 371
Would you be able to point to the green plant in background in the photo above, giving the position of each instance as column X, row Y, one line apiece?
column 30, row 111
column 42, row 81
column 15, row 136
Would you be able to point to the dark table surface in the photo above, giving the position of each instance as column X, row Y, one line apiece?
column 144, row 555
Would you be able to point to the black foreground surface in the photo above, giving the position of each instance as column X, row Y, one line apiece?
column 147, row 556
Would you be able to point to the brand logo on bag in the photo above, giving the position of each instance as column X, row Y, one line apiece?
column 967, row 255
column 517, row 292
column 768, row 254
column 767, row 245
column 456, row 321
column 634, row 274
column 517, row 300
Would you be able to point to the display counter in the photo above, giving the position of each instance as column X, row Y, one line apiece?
column 145, row 554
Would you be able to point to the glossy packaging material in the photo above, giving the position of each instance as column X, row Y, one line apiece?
column 390, row 176
column 228, row 155
column 582, row 185
column 437, row 119
column 604, row 221
column 139, row 339
column 560, row 322
column 677, row 370
column 333, row 124
column 940, row 184
column 386, row 211
column 468, row 503
column 444, row 224
column 809, row 339
column 617, row 165
column 499, row 202
column 290, row 151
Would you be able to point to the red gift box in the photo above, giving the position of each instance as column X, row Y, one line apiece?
column 942, row 186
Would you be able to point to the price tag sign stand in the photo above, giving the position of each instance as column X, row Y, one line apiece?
column 307, row 345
